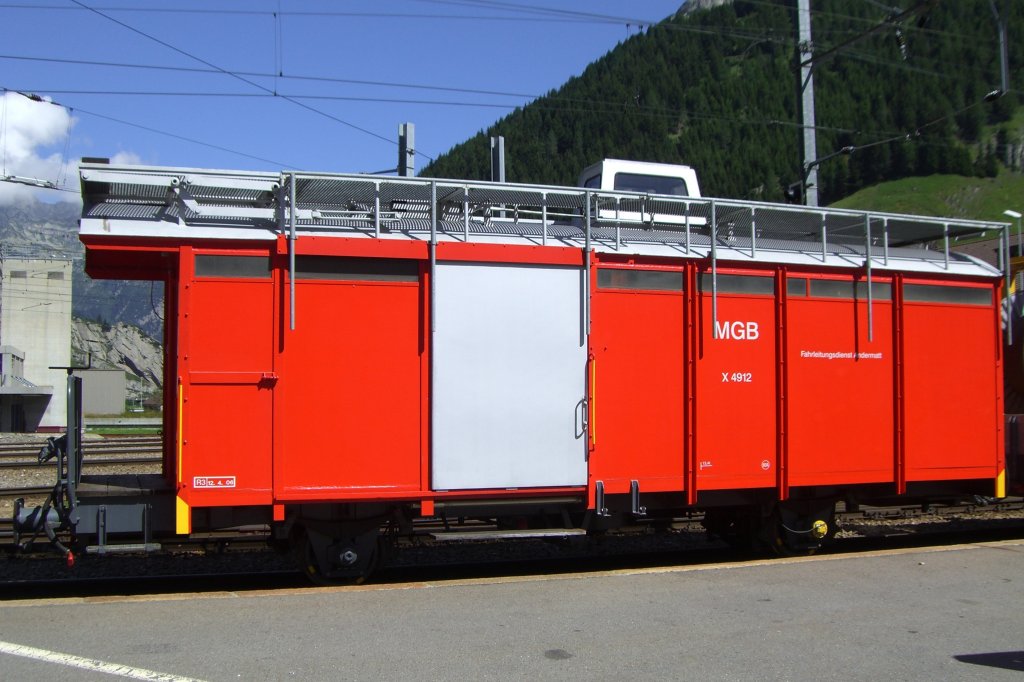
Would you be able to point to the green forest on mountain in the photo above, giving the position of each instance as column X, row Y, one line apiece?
column 718, row 90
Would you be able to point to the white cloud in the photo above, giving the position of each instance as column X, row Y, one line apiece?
column 33, row 136
column 125, row 158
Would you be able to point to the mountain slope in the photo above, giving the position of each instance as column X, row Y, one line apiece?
column 40, row 230
column 952, row 196
column 716, row 89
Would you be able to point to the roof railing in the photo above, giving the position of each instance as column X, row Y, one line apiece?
column 291, row 204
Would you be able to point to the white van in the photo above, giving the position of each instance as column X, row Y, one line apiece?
column 642, row 177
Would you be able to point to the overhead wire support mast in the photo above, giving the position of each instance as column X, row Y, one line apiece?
column 807, row 61
column 807, row 117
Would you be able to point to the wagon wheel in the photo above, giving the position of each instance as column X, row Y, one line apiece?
column 791, row 535
column 736, row 527
column 349, row 569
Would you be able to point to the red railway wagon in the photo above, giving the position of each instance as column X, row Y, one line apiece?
column 347, row 351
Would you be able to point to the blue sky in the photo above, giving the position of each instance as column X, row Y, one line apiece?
column 449, row 49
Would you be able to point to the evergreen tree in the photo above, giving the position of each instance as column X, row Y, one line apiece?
column 717, row 90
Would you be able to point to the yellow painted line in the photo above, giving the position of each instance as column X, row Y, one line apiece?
column 182, row 513
column 181, row 421
column 182, row 517
column 593, row 402
column 1001, row 484
column 1011, row 545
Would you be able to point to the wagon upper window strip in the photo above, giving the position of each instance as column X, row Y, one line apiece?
column 836, row 288
column 880, row 291
column 655, row 280
column 357, row 269
column 796, row 286
column 739, row 284
column 929, row 293
column 232, row 266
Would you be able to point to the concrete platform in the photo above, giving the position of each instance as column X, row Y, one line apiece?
column 954, row 613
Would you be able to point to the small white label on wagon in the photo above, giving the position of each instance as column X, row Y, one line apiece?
column 213, row 482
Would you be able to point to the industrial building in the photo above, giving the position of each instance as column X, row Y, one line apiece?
column 35, row 336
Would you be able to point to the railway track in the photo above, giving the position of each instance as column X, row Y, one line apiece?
column 94, row 462
column 223, row 563
column 110, row 442
column 880, row 523
column 105, row 445
column 107, row 452
column 430, row 529
column 25, row 491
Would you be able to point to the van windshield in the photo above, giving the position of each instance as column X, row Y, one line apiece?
column 655, row 184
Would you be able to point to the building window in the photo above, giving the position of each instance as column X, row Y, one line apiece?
column 55, row 274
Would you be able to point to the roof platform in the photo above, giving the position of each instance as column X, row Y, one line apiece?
column 196, row 204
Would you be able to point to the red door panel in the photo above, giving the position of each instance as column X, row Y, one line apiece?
column 351, row 391
column 951, row 378
column 227, row 430
column 736, row 422
column 841, row 410
column 637, row 387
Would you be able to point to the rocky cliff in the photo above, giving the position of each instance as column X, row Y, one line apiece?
column 691, row 6
column 120, row 346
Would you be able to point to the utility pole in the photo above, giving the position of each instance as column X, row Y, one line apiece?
column 809, row 178
column 498, row 159
column 808, row 60
column 1004, row 55
column 406, row 150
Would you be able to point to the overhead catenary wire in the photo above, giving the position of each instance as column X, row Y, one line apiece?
column 523, row 15
column 832, row 14
column 258, row 74
column 279, row 74
column 183, row 138
column 892, row 135
column 272, row 91
column 914, row 135
column 243, row 79
column 580, row 18
column 904, row 66
column 549, row 102
column 165, row 133
column 278, row 46
column 552, row 103
column 606, row 19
